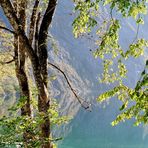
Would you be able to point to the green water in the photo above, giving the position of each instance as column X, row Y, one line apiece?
column 94, row 131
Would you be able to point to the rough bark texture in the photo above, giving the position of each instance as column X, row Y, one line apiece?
column 43, row 34
column 19, row 52
column 37, row 33
column 33, row 21
column 20, row 60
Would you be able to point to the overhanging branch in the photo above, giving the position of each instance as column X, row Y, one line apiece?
column 84, row 104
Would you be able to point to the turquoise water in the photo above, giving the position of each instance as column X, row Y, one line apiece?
column 93, row 130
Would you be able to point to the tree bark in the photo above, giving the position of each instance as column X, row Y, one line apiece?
column 20, row 59
column 43, row 34
column 33, row 21
column 43, row 60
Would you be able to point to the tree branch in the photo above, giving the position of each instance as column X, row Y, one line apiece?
column 42, row 39
column 47, row 19
column 37, row 33
column 137, row 87
column 8, row 62
column 7, row 29
column 84, row 104
column 15, row 22
column 33, row 20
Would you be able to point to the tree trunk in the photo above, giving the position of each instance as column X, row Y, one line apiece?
column 22, row 79
column 43, row 59
column 39, row 61
column 20, row 58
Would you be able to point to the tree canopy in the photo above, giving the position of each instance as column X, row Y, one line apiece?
column 112, row 53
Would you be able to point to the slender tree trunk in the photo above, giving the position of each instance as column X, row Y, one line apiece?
column 20, row 59
column 43, row 60
column 22, row 79
column 20, row 66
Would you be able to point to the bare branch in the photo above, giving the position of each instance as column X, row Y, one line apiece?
column 84, row 104
column 8, row 62
column 7, row 29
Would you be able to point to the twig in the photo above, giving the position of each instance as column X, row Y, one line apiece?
column 137, row 32
column 143, row 72
column 8, row 62
column 7, row 29
column 84, row 104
